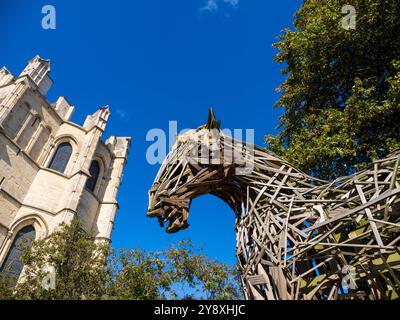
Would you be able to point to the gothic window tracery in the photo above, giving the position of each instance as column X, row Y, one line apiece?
column 61, row 157
column 12, row 265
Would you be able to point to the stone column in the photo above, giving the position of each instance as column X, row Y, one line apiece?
column 95, row 126
column 109, row 205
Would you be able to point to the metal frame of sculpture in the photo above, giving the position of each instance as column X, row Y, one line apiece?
column 298, row 237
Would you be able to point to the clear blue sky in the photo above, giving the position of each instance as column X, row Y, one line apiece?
column 154, row 61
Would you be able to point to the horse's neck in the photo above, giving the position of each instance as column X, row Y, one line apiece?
column 277, row 185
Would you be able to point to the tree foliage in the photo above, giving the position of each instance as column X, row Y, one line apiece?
column 342, row 91
column 88, row 269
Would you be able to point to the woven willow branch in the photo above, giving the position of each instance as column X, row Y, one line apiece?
column 297, row 237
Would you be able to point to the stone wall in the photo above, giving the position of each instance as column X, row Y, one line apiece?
column 31, row 130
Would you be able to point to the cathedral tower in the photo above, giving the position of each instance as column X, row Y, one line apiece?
column 51, row 169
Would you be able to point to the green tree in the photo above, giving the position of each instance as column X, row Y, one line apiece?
column 6, row 289
column 179, row 272
column 342, row 91
column 87, row 269
column 78, row 261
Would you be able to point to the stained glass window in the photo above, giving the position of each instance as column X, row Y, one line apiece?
column 61, row 157
column 94, row 172
column 12, row 266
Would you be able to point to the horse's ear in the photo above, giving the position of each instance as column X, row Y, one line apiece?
column 212, row 122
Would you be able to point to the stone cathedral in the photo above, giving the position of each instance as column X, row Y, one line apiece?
column 51, row 169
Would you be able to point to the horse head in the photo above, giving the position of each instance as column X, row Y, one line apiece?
column 202, row 161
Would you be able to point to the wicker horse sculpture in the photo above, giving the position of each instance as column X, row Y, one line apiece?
column 298, row 238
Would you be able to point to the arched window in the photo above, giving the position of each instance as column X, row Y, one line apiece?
column 94, row 172
column 28, row 131
column 17, row 118
column 12, row 266
column 61, row 157
column 40, row 142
